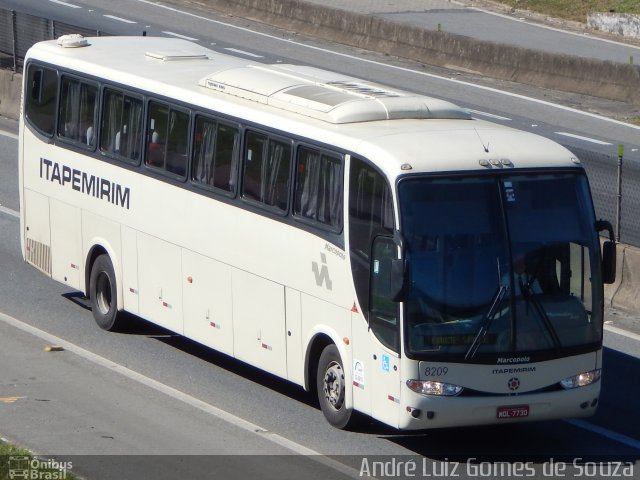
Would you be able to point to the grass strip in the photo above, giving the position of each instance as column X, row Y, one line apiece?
column 19, row 463
column 575, row 10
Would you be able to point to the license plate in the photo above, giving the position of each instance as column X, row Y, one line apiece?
column 518, row 411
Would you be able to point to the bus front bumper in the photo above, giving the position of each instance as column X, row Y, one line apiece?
column 423, row 412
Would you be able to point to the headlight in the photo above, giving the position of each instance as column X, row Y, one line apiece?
column 581, row 380
column 429, row 387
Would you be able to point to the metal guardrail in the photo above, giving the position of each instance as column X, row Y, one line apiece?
column 616, row 201
column 18, row 31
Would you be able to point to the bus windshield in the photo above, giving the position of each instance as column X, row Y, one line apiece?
column 500, row 265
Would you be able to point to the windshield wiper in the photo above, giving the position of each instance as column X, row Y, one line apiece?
column 530, row 296
column 486, row 322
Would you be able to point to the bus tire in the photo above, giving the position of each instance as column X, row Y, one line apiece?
column 103, row 293
column 330, row 383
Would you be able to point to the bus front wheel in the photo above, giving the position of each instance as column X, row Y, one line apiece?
column 331, row 388
column 103, row 293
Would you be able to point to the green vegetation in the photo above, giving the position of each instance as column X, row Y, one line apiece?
column 573, row 9
column 21, row 461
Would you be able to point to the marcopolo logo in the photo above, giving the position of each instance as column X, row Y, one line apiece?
column 322, row 274
column 29, row 468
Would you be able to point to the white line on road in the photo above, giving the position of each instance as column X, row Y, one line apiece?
column 490, row 115
column 618, row 437
column 65, row 4
column 242, row 52
column 184, row 37
column 622, row 332
column 181, row 396
column 396, row 67
column 119, row 19
column 585, row 139
column 8, row 211
column 4, row 133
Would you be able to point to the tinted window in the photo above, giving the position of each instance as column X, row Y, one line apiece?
column 215, row 157
column 167, row 139
column 121, row 125
column 266, row 171
column 370, row 215
column 318, row 194
column 41, row 90
column 77, row 118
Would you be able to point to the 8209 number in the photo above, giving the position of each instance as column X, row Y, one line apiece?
column 435, row 371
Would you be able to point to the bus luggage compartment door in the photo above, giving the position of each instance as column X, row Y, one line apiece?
column 37, row 231
column 259, row 324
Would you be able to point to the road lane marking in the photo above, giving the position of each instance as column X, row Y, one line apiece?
column 184, row 37
column 8, row 211
column 585, row 139
column 183, row 397
column 4, row 133
column 65, row 4
column 242, row 52
column 119, row 19
column 624, row 333
column 618, row 437
column 490, row 115
column 396, row 67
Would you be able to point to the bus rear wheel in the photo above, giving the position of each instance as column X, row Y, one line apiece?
column 330, row 385
column 104, row 294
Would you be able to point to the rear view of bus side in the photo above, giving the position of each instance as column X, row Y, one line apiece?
column 379, row 247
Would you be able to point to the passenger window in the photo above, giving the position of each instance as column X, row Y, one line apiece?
column 41, row 91
column 121, row 126
column 77, row 114
column 370, row 215
column 216, row 153
column 167, row 139
column 266, row 171
column 318, row 194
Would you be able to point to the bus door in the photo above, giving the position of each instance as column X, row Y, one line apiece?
column 384, row 324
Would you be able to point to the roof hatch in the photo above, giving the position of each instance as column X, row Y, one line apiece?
column 170, row 55
column 326, row 96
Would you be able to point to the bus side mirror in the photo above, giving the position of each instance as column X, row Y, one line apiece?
column 608, row 253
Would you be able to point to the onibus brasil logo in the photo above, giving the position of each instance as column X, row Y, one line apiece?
column 29, row 468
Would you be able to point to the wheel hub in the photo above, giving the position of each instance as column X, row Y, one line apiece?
column 334, row 385
column 103, row 293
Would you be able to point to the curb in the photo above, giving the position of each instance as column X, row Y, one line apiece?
column 611, row 80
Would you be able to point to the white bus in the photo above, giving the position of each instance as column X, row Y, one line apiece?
column 384, row 249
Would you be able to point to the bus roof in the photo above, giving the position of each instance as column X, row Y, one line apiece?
column 400, row 131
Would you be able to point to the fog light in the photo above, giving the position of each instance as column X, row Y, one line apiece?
column 581, row 380
column 429, row 387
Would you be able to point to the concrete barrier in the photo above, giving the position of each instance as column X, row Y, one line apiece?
column 615, row 81
column 10, row 87
column 625, row 293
